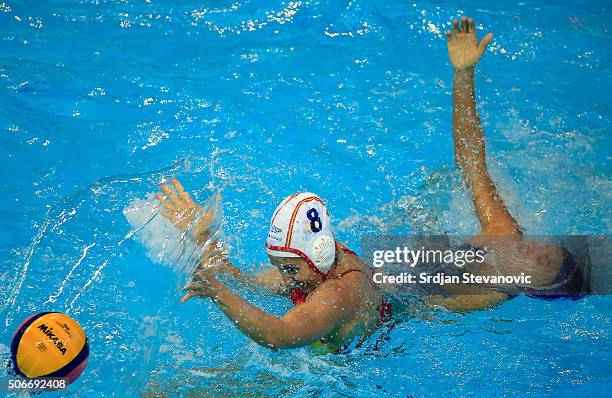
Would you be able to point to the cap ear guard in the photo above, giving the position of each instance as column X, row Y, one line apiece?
column 324, row 252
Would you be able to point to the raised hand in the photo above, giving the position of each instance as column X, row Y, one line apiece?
column 182, row 211
column 464, row 50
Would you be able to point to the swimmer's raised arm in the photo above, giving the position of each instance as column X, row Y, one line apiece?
column 464, row 52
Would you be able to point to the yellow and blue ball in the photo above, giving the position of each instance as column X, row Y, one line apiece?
column 50, row 344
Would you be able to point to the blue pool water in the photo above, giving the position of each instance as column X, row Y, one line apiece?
column 348, row 99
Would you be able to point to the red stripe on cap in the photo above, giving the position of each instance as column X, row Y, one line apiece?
column 295, row 211
column 283, row 205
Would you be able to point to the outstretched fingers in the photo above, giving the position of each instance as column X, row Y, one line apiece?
column 170, row 194
column 181, row 191
column 456, row 28
column 462, row 25
column 187, row 297
column 485, row 41
column 166, row 203
column 192, row 288
column 178, row 186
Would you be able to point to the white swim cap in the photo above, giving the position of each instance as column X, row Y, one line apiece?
column 301, row 227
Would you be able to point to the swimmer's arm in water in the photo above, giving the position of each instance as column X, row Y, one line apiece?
column 269, row 279
column 318, row 317
column 464, row 52
column 214, row 256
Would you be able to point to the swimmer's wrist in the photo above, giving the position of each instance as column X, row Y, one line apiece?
column 216, row 290
column 201, row 237
column 464, row 77
column 468, row 69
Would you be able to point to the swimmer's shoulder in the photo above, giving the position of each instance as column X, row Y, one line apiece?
column 345, row 250
column 349, row 257
column 356, row 271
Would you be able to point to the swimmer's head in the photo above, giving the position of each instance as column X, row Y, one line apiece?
column 540, row 256
column 301, row 230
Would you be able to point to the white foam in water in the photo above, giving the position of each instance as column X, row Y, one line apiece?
column 165, row 243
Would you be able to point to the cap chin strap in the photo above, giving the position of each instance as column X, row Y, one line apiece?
column 301, row 254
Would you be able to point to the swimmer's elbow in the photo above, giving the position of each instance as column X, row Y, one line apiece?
column 283, row 339
column 272, row 343
column 276, row 344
